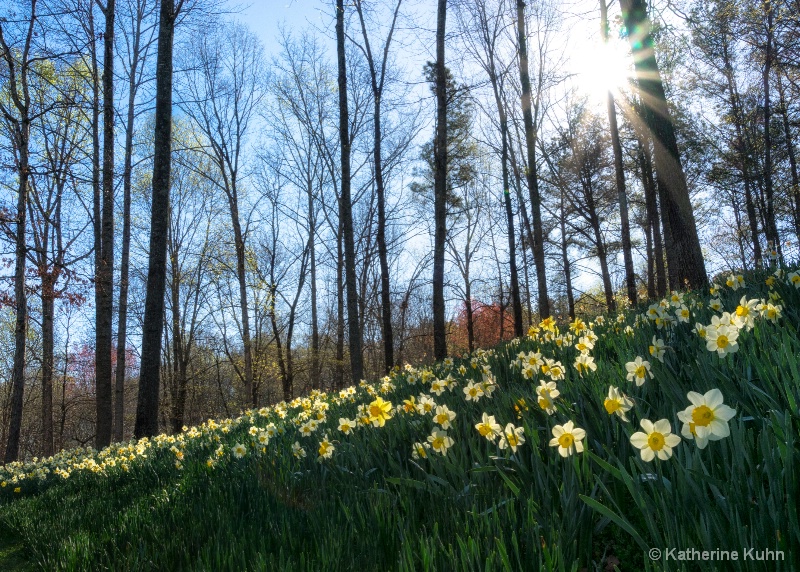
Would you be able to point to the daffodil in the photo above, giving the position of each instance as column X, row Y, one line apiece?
column 657, row 440
column 746, row 313
column 706, row 419
column 420, row 450
column 683, row 314
column 794, row 278
column 547, row 392
column 568, row 439
column 439, row 441
column 584, row 363
column 346, row 426
column 326, row 449
column 379, row 412
column 298, row 451
column 657, row 349
column 443, row 416
column 239, row 450
column 473, row 392
column 512, row 437
column 722, row 340
column 488, row 427
column 617, row 402
column 638, row 370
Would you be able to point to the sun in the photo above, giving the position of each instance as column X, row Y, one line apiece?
column 600, row 68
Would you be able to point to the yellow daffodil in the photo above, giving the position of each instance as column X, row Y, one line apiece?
column 512, row 437
column 617, row 402
column 379, row 412
column 638, row 370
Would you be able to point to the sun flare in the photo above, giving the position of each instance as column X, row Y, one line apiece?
column 604, row 67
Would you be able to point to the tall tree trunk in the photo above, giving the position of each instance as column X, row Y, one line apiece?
column 770, row 226
column 124, row 265
column 340, row 298
column 651, row 202
column 48, row 312
column 630, row 275
column 346, row 208
column 685, row 263
column 241, row 278
column 17, row 73
column 377, row 94
column 104, row 273
column 147, row 405
column 315, row 373
column 562, row 219
column 516, row 301
column 647, row 227
column 787, row 133
column 532, row 175
column 440, row 189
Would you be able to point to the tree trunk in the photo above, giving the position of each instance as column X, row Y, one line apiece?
column 440, row 189
column 770, row 226
column 532, row 175
column 651, row 204
column 565, row 260
column 20, row 297
column 346, row 208
column 147, row 405
column 241, row 277
column 48, row 311
column 630, row 275
column 124, row 265
column 787, row 133
column 315, row 373
column 104, row 273
column 684, row 256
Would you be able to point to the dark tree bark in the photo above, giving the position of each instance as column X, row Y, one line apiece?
column 619, row 172
column 532, row 175
column 18, row 114
column 152, row 330
column 104, row 272
column 346, row 208
column 651, row 207
column 562, row 220
column 685, row 264
column 770, row 225
column 787, row 133
column 440, row 189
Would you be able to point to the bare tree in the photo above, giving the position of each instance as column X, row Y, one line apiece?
column 222, row 95
column 138, row 31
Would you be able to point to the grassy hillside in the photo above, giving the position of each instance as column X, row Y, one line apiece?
column 471, row 464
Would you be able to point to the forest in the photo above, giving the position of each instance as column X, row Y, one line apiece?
column 194, row 225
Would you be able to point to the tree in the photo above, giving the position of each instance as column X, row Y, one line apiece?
column 377, row 82
column 18, row 57
column 488, row 29
column 630, row 276
column 685, row 263
column 346, row 206
column 532, row 176
column 440, row 188
column 104, row 270
column 222, row 96
column 138, row 40
column 152, row 329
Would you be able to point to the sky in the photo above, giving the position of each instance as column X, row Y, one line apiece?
column 580, row 38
